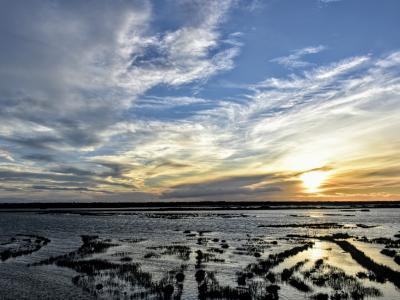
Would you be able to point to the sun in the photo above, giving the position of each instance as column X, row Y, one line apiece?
column 313, row 180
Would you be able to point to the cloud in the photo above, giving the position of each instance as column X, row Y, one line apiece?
column 97, row 99
column 72, row 170
column 39, row 157
column 329, row 1
column 5, row 155
column 327, row 116
column 177, row 57
column 231, row 186
column 39, row 142
column 67, row 75
column 295, row 60
column 285, row 127
column 71, row 70
column 57, row 188
column 9, row 175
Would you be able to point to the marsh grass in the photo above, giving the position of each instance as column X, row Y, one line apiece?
column 22, row 244
column 253, row 247
column 91, row 245
column 320, row 296
column 180, row 251
column 126, row 259
column 325, row 275
column 297, row 283
column 365, row 261
column 288, row 272
column 389, row 252
column 392, row 253
column 263, row 266
column 124, row 279
column 255, row 282
column 380, row 272
column 388, row 242
column 209, row 288
column 204, row 257
column 203, row 241
column 306, row 225
column 215, row 250
column 152, row 255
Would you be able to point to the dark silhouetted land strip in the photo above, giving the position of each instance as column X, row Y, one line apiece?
column 215, row 205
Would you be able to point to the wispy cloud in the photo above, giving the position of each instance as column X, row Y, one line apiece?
column 295, row 60
column 329, row 1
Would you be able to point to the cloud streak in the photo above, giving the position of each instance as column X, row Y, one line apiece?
column 295, row 60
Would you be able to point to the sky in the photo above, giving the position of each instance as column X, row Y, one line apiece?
column 182, row 100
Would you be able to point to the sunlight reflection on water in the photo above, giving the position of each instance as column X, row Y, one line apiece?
column 317, row 251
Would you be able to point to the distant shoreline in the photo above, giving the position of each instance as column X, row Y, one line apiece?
column 196, row 206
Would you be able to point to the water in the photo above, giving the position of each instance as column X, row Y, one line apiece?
column 138, row 233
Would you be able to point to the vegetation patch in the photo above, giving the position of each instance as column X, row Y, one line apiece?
column 299, row 284
column 306, row 225
column 204, row 257
column 389, row 252
column 317, row 225
column 388, row 242
column 91, row 245
column 287, row 273
column 180, row 251
column 368, row 263
column 22, row 244
column 123, row 279
column 325, row 275
column 152, row 255
column 263, row 266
